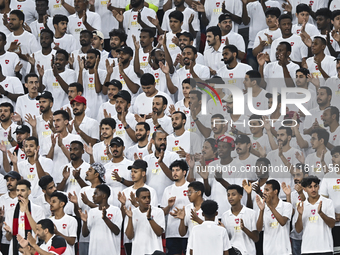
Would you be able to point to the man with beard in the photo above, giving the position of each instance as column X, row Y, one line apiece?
column 330, row 119
column 60, row 140
column 191, row 69
column 22, row 218
column 100, row 152
column 158, row 175
column 16, row 154
column 92, row 78
column 135, row 19
column 126, row 122
column 8, row 201
column 56, row 80
column 176, row 196
column 324, row 98
column 61, row 39
column 73, row 174
column 274, row 218
column 143, row 48
column 233, row 71
column 34, row 166
column 12, row 84
column 95, row 175
column 328, row 189
column 333, row 83
column 85, row 40
column 7, row 126
column 117, row 176
column 86, row 127
column 26, row 103
column 40, row 124
column 20, row 41
column 212, row 54
column 218, row 126
column 284, row 156
column 117, row 41
column 108, row 109
column 143, row 147
column 125, row 72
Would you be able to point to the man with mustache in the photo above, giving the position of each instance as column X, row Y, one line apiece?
column 143, row 146
column 144, row 47
column 330, row 119
column 100, row 152
column 117, row 40
column 8, row 201
column 108, row 109
column 158, row 175
column 212, row 54
column 333, row 83
column 61, row 39
column 16, row 154
column 7, row 126
column 57, row 78
column 117, row 176
column 85, row 40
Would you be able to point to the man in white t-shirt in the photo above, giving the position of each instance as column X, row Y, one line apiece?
column 7, row 126
column 108, row 108
column 176, row 196
column 10, row 87
column 141, row 149
column 303, row 15
column 212, row 54
column 316, row 215
column 330, row 119
column 61, row 39
column 8, row 60
column 274, row 218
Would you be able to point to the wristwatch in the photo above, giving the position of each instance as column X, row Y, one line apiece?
column 158, row 126
column 6, row 93
column 122, row 180
column 150, row 218
column 127, row 126
column 196, row 119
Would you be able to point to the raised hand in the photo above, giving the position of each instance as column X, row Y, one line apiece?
column 122, row 197
column 286, row 189
column 287, row 6
column 128, row 212
column 300, row 208
column 104, row 212
column 66, row 172
column 153, row 21
column 109, row 68
column 247, row 186
column 197, row 6
column 320, row 208
column 88, row 149
column 22, row 241
column 164, row 67
column 16, row 117
column 7, row 228
column 314, row 80
column 31, row 59
column 83, row 216
column 73, row 197
column 148, row 213
column 31, row 120
column 171, row 201
column 12, row 157
column 118, row 16
column 18, row 67
column 260, row 203
column 133, row 199
column 178, row 213
column 261, row 58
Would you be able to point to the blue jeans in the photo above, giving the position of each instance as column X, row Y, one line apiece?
column 296, row 246
column 84, row 248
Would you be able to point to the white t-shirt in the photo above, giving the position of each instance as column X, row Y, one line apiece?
column 185, row 26
column 102, row 240
column 27, row 7
column 334, row 138
column 44, row 133
column 106, row 16
column 257, row 21
column 144, row 104
column 55, row 7
column 316, row 113
column 328, row 65
column 238, row 238
column 8, row 61
column 3, row 28
column 90, row 127
column 100, row 153
column 165, row 123
column 36, row 27
column 12, row 85
column 213, row 57
column 8, row 203
column 41, row 201
column 334, row 5
column 334, row 84
column 121, row 132
column 314, row 164
column 235, row 76
column 110, row 109
column 145, row 240
column 140, row 151
column 189, row 141
column 234, row 39
column 68, row 42
column 42, row 60
column 4, row 134
column 259, row 102
column 160, row 79
column 310, row 29
column 26, row 105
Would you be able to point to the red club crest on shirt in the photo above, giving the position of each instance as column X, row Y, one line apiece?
column 192, row 123
column 140, row 154
column 318, row 163
column 188, row 75
column 292, row 44
column 313, row 211
column 120, row 77
column 79, row 24
column 273, row 217
column 37, row 104
column 334, row 137
column 186, row 112
column 156, row 164
column 311, row 3
column 176, row 142
column 67, row 146
column 144, row 58
column 105, row 152
column 154, row 127
column 299, row 198
column 46, row 126
column 254, row 145
column 57, row 1
column 120, row 126
column 6, row 85
column 22, row 218
column 338, row 181
column 224, row 108
column 289, row 158
column 231, row 75
column 110, row 215
column 19, row 6
column 115, row 170
column 258, row 104
column 11, row 205
column 331, row 41
column 91, row 80
column 135, row 16
column 31, row 169
column 298, row 31
column 22, row 156
column 157, row 75
column 218, row 4
column 237, row 221
column 223, row 41
column 64, row 226
column 316, row 68
column 6, row 61
column 185, row 193
column 248, row 166
column 57, row 44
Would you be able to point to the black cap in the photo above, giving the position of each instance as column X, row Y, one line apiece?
column 116, row 141
column 13, row 174
column 46, row 95
column 224, row 16
column 115, row 83
column 186, row 34
column 22, row 129
column 215, row 80
column 242, row 139
column 139, row 164
column 126, row 49
column 125, row 95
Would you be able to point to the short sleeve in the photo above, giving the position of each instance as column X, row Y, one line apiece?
column 159, row 218
column 226, row 241
column 164, row 202
column 73, row 228
column 287, row 210
column 58, row 245
column 329, row 208
column 17, row 86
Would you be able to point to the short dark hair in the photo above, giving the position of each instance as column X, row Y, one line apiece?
column 47, row 30
column 322, row 134
column 154, row 134
column 303, row 167
column 94, row 51
column 323, row 40
column 142, row 189
column 212, row 142
column 44, row 181
column 287, row 45
column 302, row 8
column 303, row 70
column 275, row 185
column 164, row 100
column 325, row 12
column 145, row 125
column 197, row 186
column 273, row 11
column 264, row 160
column 182, row 164
column 149, row 31
column 190, row 81
column 232, row 48
column 289, row 131
column 147, row 79
column 335, row 13
column 19, row 14
column 217, row 115
column 6, row 104
column 87, row 32
column 78, row 143
column 30, row 74
column 77, row 85
column 59, row 18
column 108, row 121
column 209, row 208
column 197, row 93
column 254, row 76
column 120, row 33
column 285, row 16
column 24, row 182
column 64, row 52
column 105, row 189
column 255, row 117
column 334, row 110
column 328, row 90
column 176, row 15
column 61, row 196
column 238, row 188
column 64, row 113
column 184, row 117
column 215, row 30
column 336, row 149
column 309, row 179
column 33, row 138
column 194, row 50
column 3, row 36
column 47, row 223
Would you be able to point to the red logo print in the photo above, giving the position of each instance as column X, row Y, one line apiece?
column 299, row 198
column 22, row 218
column 298, row 31
column 79, row 23
column 120, row 126
column 185, row 193
column 188, row 75
column 318, row 163
column 121, row 77
column 140, row 154
column 231, row 75
column 316, row 68
column 91, row 80
column 110, row 215
column 157, row 75
column 6, row 85
column 254, row 145
column 11, row 205
column 67, row 146
column 338, row 181
column 248, row 167
column 19, row 7
column 31, row 169
column 176, row 142
column 289, row 158
column 57, row 44
column 273, row 217
column 57, row 1
column 115, row 170
column 334, row 137
column 16, row 40
column 144, row 58
column 46, row 126
column 154, row 128
column 311, row 3
column 37, row 104
column 313, row 211
column 237, row 221
column 156, row 164
column 105, row 152
column 192, row 123
column 64, row 226
column 258, row 104
column 223, row 41
column 292, row 44
column 22, row 156
column 6, row 61
column 135, row 16
column 331, row 41
column 224, row 108
column 186, row 112
column 218, row 4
